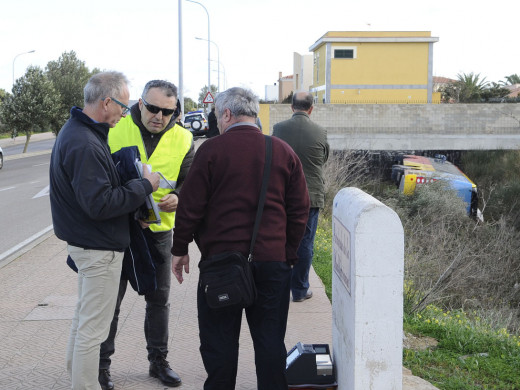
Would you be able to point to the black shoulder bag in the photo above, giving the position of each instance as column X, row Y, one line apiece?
column 227, row 278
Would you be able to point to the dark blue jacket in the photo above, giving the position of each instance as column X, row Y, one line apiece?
column 89, row 203
column 138, row 266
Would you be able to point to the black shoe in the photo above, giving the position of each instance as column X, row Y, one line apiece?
column 160, row 368
column 105, row 380
column 305, row 297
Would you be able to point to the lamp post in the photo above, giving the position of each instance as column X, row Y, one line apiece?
column 225, row 82
column 218, row 59
column 181, row 66
column 209, row 70
column 18, row 55
column 224, row 74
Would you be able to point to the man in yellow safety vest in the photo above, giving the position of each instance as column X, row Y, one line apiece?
column 169, row 149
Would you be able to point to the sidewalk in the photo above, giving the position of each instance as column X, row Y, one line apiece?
column 21, row 139
column 38, row 293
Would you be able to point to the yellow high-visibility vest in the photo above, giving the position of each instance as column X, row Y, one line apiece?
column 167, row 158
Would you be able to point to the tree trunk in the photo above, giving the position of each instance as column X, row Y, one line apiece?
column 28, row 137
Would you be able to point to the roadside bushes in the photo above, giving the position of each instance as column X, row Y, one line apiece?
column 497, row 174
column 451, row 260
column 455, row 262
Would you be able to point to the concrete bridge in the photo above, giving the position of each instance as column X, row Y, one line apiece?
column 413, row 126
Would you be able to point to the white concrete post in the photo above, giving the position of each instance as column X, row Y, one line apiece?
column 367, row 293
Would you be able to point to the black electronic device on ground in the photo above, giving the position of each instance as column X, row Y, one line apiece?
column 310, row 364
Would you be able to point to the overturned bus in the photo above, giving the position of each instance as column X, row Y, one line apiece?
column 411, row 171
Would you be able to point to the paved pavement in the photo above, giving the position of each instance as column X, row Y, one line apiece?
column 38, row 293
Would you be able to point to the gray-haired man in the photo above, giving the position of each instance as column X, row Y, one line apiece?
column 218, row 206
column 90, row 208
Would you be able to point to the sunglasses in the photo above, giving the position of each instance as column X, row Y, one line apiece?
column 155, row 110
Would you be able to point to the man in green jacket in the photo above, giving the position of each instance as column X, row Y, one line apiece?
column 309, row 141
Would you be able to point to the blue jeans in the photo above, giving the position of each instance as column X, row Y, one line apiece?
column 300, row 271
column 157, row 305
column 267, row 319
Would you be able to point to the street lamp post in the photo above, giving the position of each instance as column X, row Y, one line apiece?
column 181, row 66
column 18, row 55
column 209, row 70
column 224, row 77
column 223, row 72
column 218, row 59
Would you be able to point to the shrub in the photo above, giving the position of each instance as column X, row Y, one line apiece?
column 450, row 259
column 497, row 173
column 454, row 261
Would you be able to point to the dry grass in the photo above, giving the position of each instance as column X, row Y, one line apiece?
column 450, row 259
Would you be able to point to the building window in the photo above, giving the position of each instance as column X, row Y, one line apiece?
column 345, row 52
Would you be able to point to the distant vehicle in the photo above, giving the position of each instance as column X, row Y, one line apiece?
column 196, row 122
column 1, row 158
column 412, row 171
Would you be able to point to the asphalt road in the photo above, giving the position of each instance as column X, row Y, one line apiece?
column 24, row 199
column 24, row 193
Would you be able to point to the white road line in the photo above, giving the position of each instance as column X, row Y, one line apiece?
column 39, row 165
column 6, row 188
column 43, row 192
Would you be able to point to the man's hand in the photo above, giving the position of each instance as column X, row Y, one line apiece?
column 168, row 203
column 143, row 224
column 152, row 177
column 178, row 262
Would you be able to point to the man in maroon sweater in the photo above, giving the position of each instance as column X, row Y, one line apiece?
column 217, row 208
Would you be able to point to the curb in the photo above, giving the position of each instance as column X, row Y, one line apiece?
column 25, row 246
column 23, row 155
column 6, row 142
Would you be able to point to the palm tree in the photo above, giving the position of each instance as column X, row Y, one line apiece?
column 470, row 87
column 511, row 80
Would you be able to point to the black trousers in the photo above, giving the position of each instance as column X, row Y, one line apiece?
column 267, row 319
column 157, row 306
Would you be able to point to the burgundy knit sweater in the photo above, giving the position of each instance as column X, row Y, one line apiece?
column 218, row 201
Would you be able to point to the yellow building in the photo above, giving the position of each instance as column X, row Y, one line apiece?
column 373, row 67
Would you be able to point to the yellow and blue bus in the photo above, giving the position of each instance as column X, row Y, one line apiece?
column 411, row 171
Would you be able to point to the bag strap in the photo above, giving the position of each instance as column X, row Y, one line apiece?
column 263, row 191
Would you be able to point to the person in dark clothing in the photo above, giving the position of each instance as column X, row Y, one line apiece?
column 90, row 210
column 217, row 208
column 178, row 113
column 309, row 141
column 213, row 125
column 169, row 149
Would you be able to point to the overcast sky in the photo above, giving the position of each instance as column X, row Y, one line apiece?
column 256, row 39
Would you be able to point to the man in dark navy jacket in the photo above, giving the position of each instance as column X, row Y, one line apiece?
column 217, row 207
column 90, row 208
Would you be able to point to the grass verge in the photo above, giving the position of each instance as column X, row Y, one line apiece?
column 322, row 260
